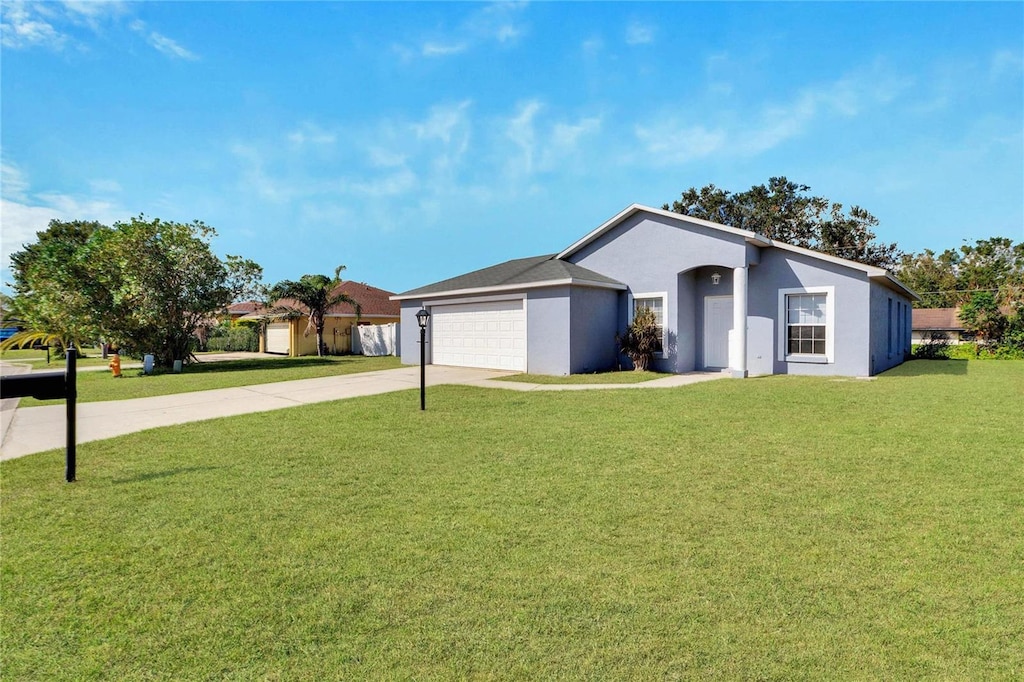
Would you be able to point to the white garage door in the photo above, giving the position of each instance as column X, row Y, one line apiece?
column 491, row 335
column 277, row 337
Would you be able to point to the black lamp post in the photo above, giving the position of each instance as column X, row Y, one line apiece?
column 421, row 318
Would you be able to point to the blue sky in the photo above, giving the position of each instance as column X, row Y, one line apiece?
column 414, row 142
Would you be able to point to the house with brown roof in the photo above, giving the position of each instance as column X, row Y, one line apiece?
column 242, row 308
column 941, row 321
column 287, row 330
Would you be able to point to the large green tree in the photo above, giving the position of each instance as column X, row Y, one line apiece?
column 144, row 285
column 784, row 210
column 314, row 296
column 951, row 278
column 57, row 295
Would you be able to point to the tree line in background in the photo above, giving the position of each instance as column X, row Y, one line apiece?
column 144, row 285
column 985, row 281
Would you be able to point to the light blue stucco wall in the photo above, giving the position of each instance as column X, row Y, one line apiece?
column 648, row 253
column 547, row 331
column 781, row 269
column 409, row 342
column 594, row 315
column 890, row 336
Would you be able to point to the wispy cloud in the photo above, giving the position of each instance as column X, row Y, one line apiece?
column 57, row 25
column 496, row 23
column 12, row 182
column 26, row 212
column 24, row 25
column 170, row 47
column 1006, row 64
column 311, row 134
column 673, row 139
column 162, row 43
column 437, row 49
column 639, row 34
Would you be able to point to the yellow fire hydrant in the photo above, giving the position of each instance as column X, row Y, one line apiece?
column 115, row 365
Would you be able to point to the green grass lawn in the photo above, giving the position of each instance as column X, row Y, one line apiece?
column 775, row 528
column 597, row 378
column 36, row 359
column 202, row 376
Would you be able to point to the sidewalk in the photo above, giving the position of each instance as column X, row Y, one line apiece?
column 37, row 429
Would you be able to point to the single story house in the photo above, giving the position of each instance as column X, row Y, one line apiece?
column 242, row 308
column 942, row 321
column 287, row 320
column 725, row 299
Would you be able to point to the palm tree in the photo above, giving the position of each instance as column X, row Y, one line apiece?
column 315, row 293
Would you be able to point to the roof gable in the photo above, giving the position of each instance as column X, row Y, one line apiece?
column 554, row 269
column 880, row 275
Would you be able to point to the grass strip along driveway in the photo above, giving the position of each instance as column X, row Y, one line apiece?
column 204, row 376
column 785, row 527
column 629, row 377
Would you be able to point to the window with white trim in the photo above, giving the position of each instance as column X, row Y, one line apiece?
column 656, row 303
column 807, row 324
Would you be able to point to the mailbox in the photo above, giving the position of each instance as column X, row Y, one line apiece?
column 39, row 385
column 50, row 386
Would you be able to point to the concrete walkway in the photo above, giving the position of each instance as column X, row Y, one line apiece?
column 36, row 429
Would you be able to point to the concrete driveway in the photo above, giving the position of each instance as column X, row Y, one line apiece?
column 36, row 429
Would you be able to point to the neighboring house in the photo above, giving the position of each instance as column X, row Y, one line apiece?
column 943, row 321
column 928, row 321
column 725, row 298
column 242, row 308
column 286, row 332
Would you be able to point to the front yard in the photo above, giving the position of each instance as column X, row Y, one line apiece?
column 786, row 528
column 204, row 376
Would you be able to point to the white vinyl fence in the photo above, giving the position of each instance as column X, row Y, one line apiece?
column 376, row 339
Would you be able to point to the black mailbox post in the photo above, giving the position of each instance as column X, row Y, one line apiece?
column 50, row 386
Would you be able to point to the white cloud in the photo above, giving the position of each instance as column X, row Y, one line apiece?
column 1006, row 63
column 101, row 186
column 592, row 46
column 12, row 182
column 54, row 26
column 170, row 47
column 312, row 134
column 498, row 22
column 162, row 43
column 430, row 49
column 25, row 213
column 401, row 182
column 254, row 177
column 674, row 140
column 443, row 122
column 508, row 33
column 24, row 26
column 669, row 142
column 520, row 129
column 567, row 135
column 639, row 34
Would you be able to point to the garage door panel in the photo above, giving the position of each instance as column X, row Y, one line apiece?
column 278, row 337
column 490, row 335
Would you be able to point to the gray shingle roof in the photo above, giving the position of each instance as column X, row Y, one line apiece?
column 525, row 271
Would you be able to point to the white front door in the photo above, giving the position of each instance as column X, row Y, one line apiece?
column 717, row 325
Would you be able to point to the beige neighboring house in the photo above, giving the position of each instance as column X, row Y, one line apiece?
column 289, row 333
column 928, row 321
